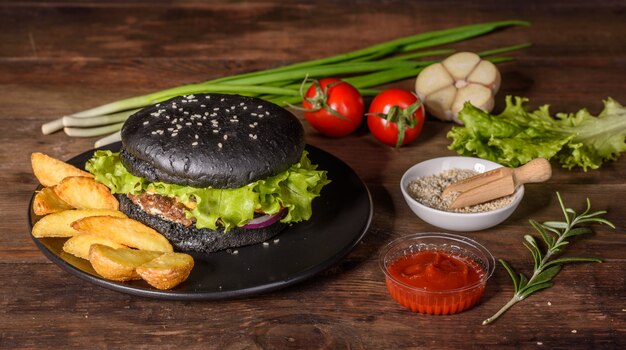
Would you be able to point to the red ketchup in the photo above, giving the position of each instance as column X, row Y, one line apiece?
column 435, row 282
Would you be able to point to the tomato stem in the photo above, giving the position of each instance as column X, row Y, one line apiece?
column 402, row 117
column 320, row 99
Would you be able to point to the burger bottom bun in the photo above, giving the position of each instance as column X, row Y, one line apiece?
column 192, row 239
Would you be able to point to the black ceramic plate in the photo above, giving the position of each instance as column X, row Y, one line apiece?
column 341, row 217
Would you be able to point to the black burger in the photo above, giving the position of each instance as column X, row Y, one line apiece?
column 212, row 171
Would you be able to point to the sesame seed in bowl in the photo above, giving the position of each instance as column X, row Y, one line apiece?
column 422, row 186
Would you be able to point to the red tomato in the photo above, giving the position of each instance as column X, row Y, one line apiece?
column 333, row 107
column 396, row 117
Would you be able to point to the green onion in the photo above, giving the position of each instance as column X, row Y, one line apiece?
column 89, row 132
column 397, row 44
column 340, row 68
column 503, row 50
column 369, row 67
column 53, row 126
column 145, row 100
column 114, row 137
column 72, row 121
column 451, row 38
column 443, row 52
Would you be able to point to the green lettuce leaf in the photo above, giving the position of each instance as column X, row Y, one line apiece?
column 517, row 136
column 293, row 189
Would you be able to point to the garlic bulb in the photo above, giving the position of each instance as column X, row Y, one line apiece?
column 445, row 87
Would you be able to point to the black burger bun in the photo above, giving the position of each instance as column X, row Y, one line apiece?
column 192, row 239
column 221, row 141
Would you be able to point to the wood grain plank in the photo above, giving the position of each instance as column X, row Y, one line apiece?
column 349, row 310
column 63, row 56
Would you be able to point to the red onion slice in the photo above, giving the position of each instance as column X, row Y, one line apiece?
column 265, row 220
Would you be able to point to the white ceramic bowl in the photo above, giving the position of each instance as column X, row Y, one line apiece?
column 456, row 221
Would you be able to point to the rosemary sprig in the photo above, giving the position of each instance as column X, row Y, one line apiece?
column 555, row 235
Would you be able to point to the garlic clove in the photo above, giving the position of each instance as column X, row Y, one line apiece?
column 479, row 95
column 431, row 79
column 461, row 64
column 486, row 74
column 440, row 102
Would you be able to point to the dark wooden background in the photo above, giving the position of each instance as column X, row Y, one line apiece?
column 64, row 56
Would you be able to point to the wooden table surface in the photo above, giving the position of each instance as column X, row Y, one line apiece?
column 64, row 56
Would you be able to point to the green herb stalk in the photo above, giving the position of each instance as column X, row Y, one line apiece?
column 555, row 235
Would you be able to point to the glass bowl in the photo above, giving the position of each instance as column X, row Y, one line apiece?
column 436, row 299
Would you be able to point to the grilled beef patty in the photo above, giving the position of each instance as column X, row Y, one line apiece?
column 164, row 207
column 192, row 239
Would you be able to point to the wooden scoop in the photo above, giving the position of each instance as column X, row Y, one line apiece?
column 497, row 183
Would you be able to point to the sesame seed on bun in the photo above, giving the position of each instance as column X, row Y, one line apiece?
column 221, row 141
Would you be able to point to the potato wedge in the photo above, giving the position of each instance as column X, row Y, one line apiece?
column 47, row 202
column 119, row 264
column 59, row 224
column 79, row 245
column 124, row 231
column 85, row 193
column 50, row 171
column 167, row 271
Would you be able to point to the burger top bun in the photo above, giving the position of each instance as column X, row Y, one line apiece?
column 221, row 141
